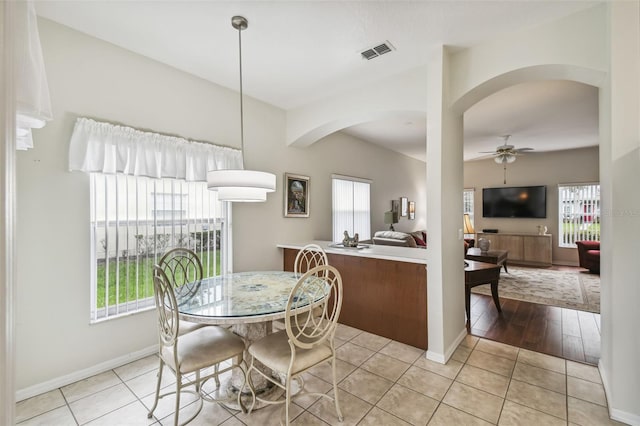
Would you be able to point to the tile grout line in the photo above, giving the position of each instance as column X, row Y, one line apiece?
column 395, row 382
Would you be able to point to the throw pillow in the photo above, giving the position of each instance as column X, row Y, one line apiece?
column 417, row 236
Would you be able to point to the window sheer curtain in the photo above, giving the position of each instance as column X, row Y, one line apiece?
column 33, row 105
column 108, row 148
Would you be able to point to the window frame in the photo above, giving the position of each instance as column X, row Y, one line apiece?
column 363, row 234
column 472, row 201
column 591, row 202
column 184, row 226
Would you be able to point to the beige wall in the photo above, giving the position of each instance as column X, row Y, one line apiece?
column 88, row 77
column 393, row 176
column 549, row 169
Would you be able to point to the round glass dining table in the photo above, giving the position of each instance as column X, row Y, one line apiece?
column 249, row 302
column 237, row 298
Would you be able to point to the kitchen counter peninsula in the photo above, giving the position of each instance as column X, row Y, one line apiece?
column 385, row 288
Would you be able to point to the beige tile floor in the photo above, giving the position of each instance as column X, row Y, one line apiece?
column 381, row 382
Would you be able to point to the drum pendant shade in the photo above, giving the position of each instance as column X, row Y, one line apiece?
column 241, row 185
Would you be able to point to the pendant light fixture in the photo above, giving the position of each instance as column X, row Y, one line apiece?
column 241, row 185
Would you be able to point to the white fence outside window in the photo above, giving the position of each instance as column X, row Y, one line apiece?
column 579, row 213
column 134, row 221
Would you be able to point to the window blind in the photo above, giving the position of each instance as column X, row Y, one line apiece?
column 351, row 207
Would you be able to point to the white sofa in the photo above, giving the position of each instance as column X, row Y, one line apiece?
column 400, row 239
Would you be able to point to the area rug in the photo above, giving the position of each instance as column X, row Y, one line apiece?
column 574, row 290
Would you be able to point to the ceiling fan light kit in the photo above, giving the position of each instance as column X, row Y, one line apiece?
column 506, row 153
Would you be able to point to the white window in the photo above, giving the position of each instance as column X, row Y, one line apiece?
column 351, row 207
column 148, row 195
column 579, row 213
column 467, row 202
column 134, row 221
column 467, row 208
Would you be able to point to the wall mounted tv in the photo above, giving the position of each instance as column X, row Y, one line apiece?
column 515, row 201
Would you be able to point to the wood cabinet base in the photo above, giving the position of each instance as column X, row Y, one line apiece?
column 384, row 297
column 524, row 249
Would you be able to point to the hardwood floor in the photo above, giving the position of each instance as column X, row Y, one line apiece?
column 561, row 332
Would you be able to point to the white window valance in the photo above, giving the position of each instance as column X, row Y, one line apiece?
column 33, row 106
column 108, row 148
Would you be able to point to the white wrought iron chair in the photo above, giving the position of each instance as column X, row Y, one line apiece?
column 306, row 341
column 309, row 257
column 182, row 266
column 191, row 352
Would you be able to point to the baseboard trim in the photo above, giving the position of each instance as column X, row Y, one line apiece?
column 624, row 417
column 615, row 414
column 443, row 358
column 436, row 357
column 67, row 379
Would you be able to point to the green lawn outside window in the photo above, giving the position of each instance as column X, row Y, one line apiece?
column 144, row 268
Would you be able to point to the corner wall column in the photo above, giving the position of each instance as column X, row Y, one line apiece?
column 7, row 216
column 620, row 211
column 445, row 272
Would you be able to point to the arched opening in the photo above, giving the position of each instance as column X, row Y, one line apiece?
column 314, row 134
column 590, row 79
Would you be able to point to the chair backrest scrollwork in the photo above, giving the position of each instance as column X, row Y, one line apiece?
column 166, row 307
column 309, row 257
column 318, row 290
column 181, row 266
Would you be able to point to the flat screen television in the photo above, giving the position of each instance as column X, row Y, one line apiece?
column 515, row 201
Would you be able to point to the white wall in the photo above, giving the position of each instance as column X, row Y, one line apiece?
column 570, row 166
column 7, row 214
column 620, row 166
column 88, row 77
column 577, row 43
column 398, row 93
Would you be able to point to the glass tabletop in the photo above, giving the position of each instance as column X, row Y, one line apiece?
column 252, row 296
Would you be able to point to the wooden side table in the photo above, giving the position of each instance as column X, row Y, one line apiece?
column 477, row 273
column 497, row 257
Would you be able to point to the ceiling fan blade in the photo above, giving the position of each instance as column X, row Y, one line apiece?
column 504, row 147
column 523, row 149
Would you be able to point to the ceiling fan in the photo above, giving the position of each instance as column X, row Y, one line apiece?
column 506, row 153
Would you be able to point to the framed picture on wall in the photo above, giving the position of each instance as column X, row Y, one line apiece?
column 395, row 209
column 404, row 206
column 296, row 195
column 412, row 210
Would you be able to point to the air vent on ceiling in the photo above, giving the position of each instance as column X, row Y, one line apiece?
column 378, row 50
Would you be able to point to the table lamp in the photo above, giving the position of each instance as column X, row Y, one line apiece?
column 390, row 219
column 468, row 227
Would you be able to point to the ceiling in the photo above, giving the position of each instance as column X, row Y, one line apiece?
column 299, row 52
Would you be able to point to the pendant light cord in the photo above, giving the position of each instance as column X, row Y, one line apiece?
column 241, row 97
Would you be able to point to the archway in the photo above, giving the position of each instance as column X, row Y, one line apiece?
column 321, row 130
column 559, row 168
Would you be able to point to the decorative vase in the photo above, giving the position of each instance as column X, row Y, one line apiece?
column 484, row 244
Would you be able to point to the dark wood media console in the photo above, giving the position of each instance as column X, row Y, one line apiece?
column 384, row 297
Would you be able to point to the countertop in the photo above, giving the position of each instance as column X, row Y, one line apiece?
column 400, row 254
